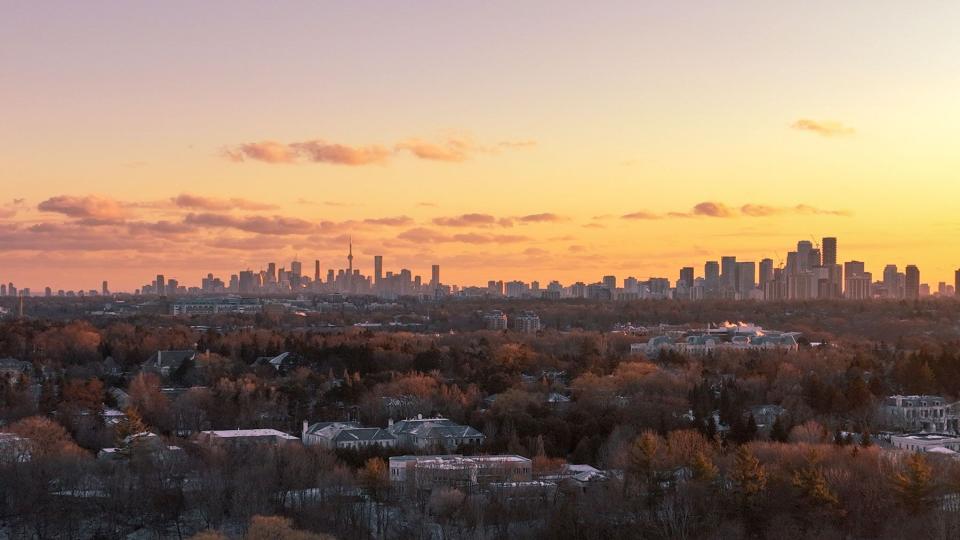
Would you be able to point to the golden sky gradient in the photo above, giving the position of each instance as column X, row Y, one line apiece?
column 502, row 140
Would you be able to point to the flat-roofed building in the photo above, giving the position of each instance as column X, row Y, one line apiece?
column 456, row 470
column 939, row 443
column 245, row 437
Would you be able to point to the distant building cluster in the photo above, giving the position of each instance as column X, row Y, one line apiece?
column 730, row 337
column 413, row 433
column 525, row 321
column 812, row 271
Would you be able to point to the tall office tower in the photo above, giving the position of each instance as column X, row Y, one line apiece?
column 435, row 276
column 172, row 285
column 610, row 282
column 829, row 250
column 296, row 272
column 316, row 272
column 48, row 292
column 271, row 272
column 746, row 278
column 912, row 283
column 728, row 275
column 105, row 290
column 815, row 259
column 159, row 285
column 377, row 269
column 246, row 282
column 3, row 289
column 11, row 290
column 330, row 278
column 686, row 277
column 804, row 247
column 891, row 281
column 766, row 272
column 851, row 269
column 711, row 278
column 956, row 282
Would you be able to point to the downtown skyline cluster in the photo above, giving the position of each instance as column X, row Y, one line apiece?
column 811, row 271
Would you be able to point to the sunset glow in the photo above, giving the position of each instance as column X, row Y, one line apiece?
column 501, row 140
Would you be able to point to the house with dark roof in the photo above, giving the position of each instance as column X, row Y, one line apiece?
column 13, row 369
column 350, row 435
column 165, row 363
column 282, row 363
column 422, row 433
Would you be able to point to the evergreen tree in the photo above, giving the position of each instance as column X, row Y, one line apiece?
column 749, row 479
column 779, row 432
column 132, row 424
column 914, row 484
column 703, row 468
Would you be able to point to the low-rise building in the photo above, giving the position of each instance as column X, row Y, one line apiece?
column 422, row 433
column 350, row 435
column 456, row 470
column 282, row 363
column 927, row 442
column 526, row 321
column 495, row 320
column 920, row 413
column 14, row 370
column 165, row 363
column 238, row 438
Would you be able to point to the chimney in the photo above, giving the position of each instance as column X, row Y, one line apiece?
column 305, row 425
column 389, row 422
column 419, row 416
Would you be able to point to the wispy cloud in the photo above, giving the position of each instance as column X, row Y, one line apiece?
column 466, row 220
column 88, row 207
column 720, row 210
column 425, row 235
column 186, row 200
column 449, row 149
column 392, row 221
column 274, row 225
column 340, row 154
column 825, row 128
column 546, row 217
column 642, row 214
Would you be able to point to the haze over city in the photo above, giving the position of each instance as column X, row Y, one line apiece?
column 534, row 142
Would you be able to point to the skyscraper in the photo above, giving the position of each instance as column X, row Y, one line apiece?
column 435, row 276
column 105, row 290
column 804, row 247
column 686, row 277
column 829, row 251
column 159, row 286
column 912, row 283
column 956, row 282
column 246, row 282
column 746, row 278
column 271, row 272
column 891, row 281
column 711, row 278
column 766, row 272
column 377, row 269
column 316, row 271
column 728, row 274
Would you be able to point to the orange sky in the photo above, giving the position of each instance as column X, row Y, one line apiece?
column 577, row 141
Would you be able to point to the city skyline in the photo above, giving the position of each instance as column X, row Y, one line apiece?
column 813, row 270
column 541, row 141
